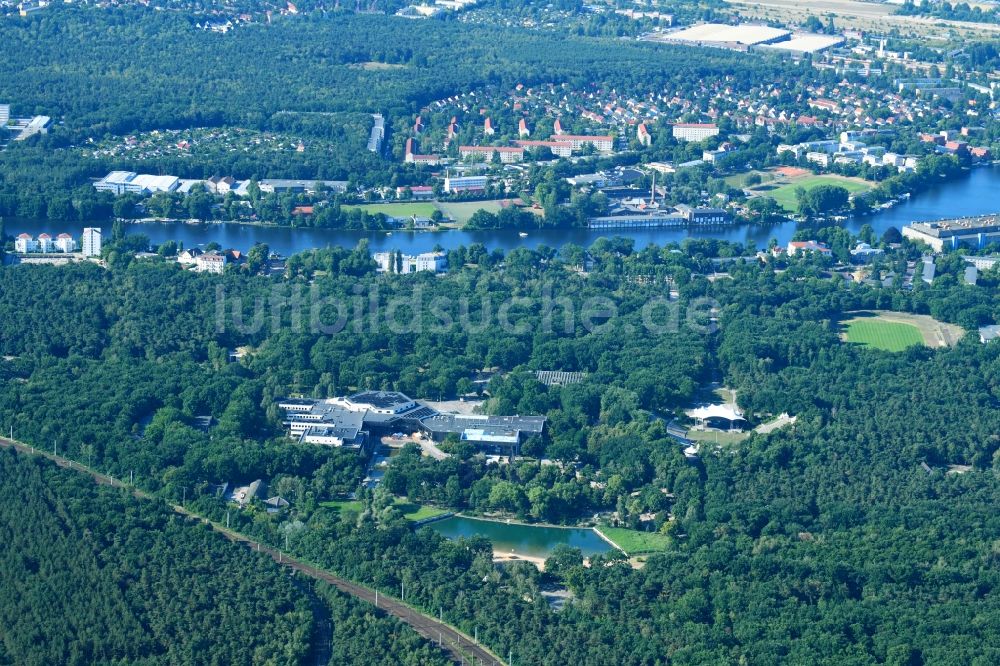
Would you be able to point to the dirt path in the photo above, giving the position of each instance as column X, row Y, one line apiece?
column 461, row 648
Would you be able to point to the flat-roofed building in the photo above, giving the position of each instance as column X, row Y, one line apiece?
column 722, row 34
column 120, row 182
column 454, row 184
column 976, row 232
column 807, row 43
column 333, row 422
column 269, row 185
column 496, row 434
column 91, row 242
column 694, row 131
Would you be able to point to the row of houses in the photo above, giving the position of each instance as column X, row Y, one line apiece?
column 144, row 184
column 90, row 243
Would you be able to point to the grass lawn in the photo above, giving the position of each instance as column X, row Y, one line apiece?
column 410, row 511
column 740, row 179
column 462, row 211
column 635, row 542
column 406, row 209
column 717, row 436
column 886, row 335
column 785, row 195
column 418, row 511
column 343, row 505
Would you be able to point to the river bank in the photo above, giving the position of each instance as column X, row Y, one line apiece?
column 978, row 194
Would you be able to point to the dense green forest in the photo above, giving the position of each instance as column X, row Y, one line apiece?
column 864, row 533
column 842, row 539
column 91, row 575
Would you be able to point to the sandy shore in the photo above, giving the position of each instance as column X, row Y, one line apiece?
column 517, row 557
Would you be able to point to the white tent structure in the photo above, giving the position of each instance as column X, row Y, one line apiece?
column 727, row 413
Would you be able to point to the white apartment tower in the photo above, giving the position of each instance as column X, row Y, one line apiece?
column 91, row 242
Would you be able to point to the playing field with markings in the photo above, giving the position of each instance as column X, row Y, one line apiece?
column 884, row 335
column 895, row 331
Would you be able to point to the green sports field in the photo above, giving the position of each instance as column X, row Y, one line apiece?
column 785, row 195
column 885, row 335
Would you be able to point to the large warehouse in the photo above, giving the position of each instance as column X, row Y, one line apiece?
column 807, row 43
column 720, row 33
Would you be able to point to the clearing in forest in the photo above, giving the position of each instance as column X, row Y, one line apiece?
column 895, row 331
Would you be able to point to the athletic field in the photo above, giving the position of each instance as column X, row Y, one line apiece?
column 893, row 331
column 785, row 194
column 885, row 335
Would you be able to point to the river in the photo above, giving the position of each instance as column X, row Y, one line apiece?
column 977, row 194
column 521, row 539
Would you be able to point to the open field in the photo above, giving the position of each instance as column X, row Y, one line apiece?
column 716, row 436
column 895, row 331
column 410, row 510
column 407, row 209
column 855, row 14
column 343, row 505
column 739, row 179
column 418, row 511
column 635, row 542
column 461, row 211
column 785, row 194
column 885, row 335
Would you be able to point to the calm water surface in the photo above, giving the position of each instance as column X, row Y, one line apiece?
column 977, row 194
column 530, row 540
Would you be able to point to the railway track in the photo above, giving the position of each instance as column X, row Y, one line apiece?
column 461, row 648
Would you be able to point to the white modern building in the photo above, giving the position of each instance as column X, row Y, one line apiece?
column 694, row 131
column 210, row 262
column 65, row 243
column 91, row 242
column 465, row 183
column 434, row 262
column 603, row 143
column 508, row 154
column 45, row 243
column 120, row 182
column 25, row 243
column 975, row 232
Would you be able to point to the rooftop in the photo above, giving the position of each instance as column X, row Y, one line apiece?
column 459, row 423
column 729, row 34
column 958, row 227
column 381, row 399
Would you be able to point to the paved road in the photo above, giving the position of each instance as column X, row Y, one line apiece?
column 461, row 648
